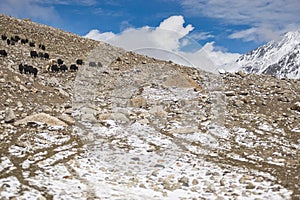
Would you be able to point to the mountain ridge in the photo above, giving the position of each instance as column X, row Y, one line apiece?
column 279, row 58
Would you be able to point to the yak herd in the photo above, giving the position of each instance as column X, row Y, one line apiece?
column 53, row 65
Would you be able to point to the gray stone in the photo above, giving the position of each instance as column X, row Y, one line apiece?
column 184, row 180
column 296, row 106
column 67, row 119
column 41, row 118
column 250, row 186
column 229, row 93
column 9, row 116
column 63, row 92
column 118, row 117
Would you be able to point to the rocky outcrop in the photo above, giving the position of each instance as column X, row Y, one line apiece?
column 42, row 118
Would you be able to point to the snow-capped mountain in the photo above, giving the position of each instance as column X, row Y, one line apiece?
column 280, row 58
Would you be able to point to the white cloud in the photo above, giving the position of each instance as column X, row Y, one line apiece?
column 256, row 34
column 175, row 24
column 268, row 18
column 165, row 36
column 201, row 36
column 166, row 42
column 97, row 35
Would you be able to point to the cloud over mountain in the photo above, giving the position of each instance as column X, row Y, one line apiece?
column 170, row 36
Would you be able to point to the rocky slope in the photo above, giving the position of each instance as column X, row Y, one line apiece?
column 140, row 128
column 279, row 58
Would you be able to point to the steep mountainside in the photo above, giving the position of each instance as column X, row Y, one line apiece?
column 280, row 58
column 127, row 126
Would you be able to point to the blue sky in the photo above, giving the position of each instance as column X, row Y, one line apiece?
column 224, row 26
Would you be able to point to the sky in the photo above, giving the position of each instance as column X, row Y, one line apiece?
column 219, row 30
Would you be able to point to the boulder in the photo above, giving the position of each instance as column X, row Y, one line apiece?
column 67, row 119
column 296, row 106
column 118, row 117
column 180, row 80
column 158, row 111
column 41, row 118
column 9, row 116
column 138, row 102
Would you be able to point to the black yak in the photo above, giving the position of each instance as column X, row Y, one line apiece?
column 92, row 64
column 24, row 41
column 63, row 68
column 21, row 68
column 73, row 67
column 54, row 68
column 41, row 46
column 60, row 61
column 33, row 54
column 3, row 53
column 3, row 37
column 79, row 62
column 46, row 55
column 31, row 44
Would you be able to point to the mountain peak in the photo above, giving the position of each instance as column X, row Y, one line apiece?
column 279, row 58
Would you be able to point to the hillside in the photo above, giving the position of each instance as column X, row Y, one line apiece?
column 139, row 128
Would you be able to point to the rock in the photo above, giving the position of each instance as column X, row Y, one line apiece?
column 67, row 119
column 222, row 71
column 210, row 188
column 52, row 81
column 159, row 166
column 19, row 104
column 155, row 173
column 283, row 99
column 23, row 88
column 143, row 121
column 43, row 108
column 63, row 92
column 250, row 186
column 241, row 74
column 17, row 79
column 259, row 179
column 158, row 111
column 169, row 186
column 179, row 80
column 41, row 198
column 245, row 179
column 184, row 180
column 184, row 130
column 138, row 102
column 229, row 93
column 41, row 118
column 88, row 117
column 237, row 103
column 222, row 182
column 9, row 116
column 195, row 182
column 69, row 111
column 118, row 117
column 243, row 93
column 296, row 106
